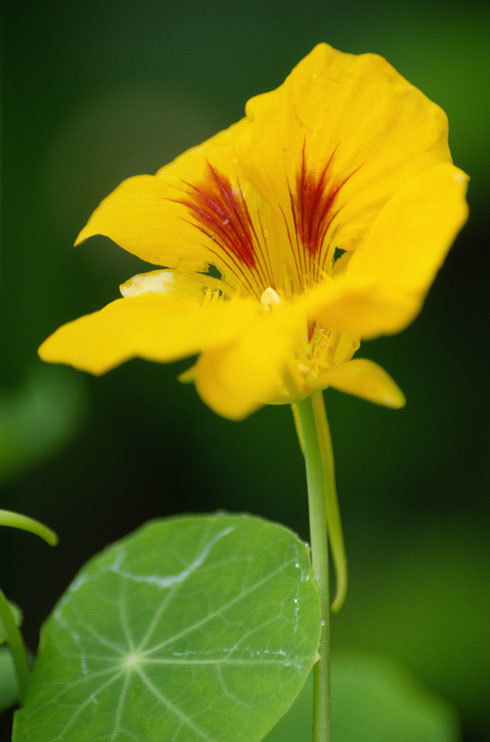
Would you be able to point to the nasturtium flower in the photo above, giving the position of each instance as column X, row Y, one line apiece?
column 318, row 220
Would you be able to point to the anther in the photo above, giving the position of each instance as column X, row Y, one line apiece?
column 270, row 298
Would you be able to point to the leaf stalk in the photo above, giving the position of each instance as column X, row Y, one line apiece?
column 16, row 645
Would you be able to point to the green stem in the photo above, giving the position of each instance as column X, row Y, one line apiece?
column 314, row 461
column 334, row 522
column 16, row 644
column 16, row 520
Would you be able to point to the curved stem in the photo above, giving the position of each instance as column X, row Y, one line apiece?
column 334, row 522
column 16, row 520
column 16, row 645
column 319, row 554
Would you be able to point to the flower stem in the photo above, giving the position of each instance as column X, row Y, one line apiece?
column 334, row 522
column 16, row 645
column 311, row 438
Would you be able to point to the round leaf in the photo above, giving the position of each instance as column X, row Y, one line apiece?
column 191, row 629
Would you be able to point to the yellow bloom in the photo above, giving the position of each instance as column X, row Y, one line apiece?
column 318, row 220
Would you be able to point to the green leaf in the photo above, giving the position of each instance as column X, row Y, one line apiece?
column 191, row 629
column 17, row 613
column 373, row 700
column 8, row 680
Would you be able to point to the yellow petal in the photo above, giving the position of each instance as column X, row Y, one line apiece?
column 236, row 379
column 151, row 326
column 175, row 218
column 386, row 280
column 366, row 379
column 362, row 307
column 378, row 129
column 408, row 242
column 141, row 217
column 352, row 118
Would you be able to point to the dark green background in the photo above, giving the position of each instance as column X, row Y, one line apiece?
column 96, row 91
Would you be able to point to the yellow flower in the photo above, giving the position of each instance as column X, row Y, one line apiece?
column 318, row 220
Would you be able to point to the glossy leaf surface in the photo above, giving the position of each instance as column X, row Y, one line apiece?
column 191, row 629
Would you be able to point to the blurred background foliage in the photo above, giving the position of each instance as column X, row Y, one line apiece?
column 98, row 91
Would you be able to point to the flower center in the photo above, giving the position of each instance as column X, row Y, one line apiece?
column 290, row 245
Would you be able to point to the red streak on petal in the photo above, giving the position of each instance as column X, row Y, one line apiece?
column 220, row 211
column 312, row 205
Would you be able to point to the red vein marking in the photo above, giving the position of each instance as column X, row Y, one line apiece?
column 313, row 209
column 312, row 204
column 229, row 260
column 221, row 211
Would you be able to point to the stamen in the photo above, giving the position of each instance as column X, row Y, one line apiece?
column 270, row 298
